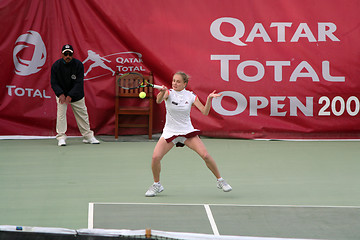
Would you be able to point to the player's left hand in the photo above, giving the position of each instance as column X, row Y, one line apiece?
column 214, row 95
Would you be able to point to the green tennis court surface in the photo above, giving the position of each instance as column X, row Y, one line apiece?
column 308, row 222
column 45, row 185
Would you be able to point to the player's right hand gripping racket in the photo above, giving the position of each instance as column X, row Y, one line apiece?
column 133, row 80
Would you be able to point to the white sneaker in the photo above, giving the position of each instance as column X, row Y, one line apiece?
column 222, row 184
column 61, row 142
column 154, row 190
column 92, row 140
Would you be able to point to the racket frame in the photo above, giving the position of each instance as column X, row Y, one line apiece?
column 144, row 82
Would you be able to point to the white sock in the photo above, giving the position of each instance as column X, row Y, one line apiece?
column 220, row 179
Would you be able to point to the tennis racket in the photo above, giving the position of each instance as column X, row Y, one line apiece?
column 133, row 80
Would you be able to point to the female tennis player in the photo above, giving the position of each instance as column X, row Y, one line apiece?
column 179, row 130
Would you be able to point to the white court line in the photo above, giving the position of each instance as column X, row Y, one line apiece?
column 91, row 216
column 211, row 220
column 229, row 205
column 283, row 206
column 167, row 204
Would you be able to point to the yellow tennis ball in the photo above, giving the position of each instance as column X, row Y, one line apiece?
column 142, row 95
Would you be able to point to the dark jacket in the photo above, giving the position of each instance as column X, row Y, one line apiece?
column 68, row 79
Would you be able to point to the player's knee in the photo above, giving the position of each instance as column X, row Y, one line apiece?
column 205, row 156
column 156, row 158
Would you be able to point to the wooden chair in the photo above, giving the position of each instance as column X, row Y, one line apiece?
column 128, row 103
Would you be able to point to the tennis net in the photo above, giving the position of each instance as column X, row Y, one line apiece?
column 42, row 233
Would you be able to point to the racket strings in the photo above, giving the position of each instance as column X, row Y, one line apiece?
column 130, row 81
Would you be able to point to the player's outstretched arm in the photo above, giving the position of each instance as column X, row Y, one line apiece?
column 206, row 109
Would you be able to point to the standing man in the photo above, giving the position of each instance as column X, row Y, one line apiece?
column 67, row 81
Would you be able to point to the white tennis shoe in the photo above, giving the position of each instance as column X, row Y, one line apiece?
column 154, row 190
column 61, row 142
column 222, row 184
column 92, row 140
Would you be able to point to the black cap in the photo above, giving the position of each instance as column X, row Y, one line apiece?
column 67, row 47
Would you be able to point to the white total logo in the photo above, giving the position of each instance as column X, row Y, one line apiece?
column 26, row 67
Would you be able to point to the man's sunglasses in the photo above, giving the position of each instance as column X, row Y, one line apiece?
column 67, row 53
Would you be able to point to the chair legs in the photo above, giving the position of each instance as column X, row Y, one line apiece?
column 149, row 126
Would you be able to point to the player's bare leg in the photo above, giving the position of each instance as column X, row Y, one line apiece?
column 161, row 148
column 198, row 146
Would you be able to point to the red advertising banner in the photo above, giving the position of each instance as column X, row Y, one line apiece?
column 285, row 68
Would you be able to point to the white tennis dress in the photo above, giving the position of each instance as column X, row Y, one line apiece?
column 178, row 123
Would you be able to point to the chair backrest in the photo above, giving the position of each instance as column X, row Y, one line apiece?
column 120, row 92
column 128, row 103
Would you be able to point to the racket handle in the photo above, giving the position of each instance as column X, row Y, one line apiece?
column 157, row 86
